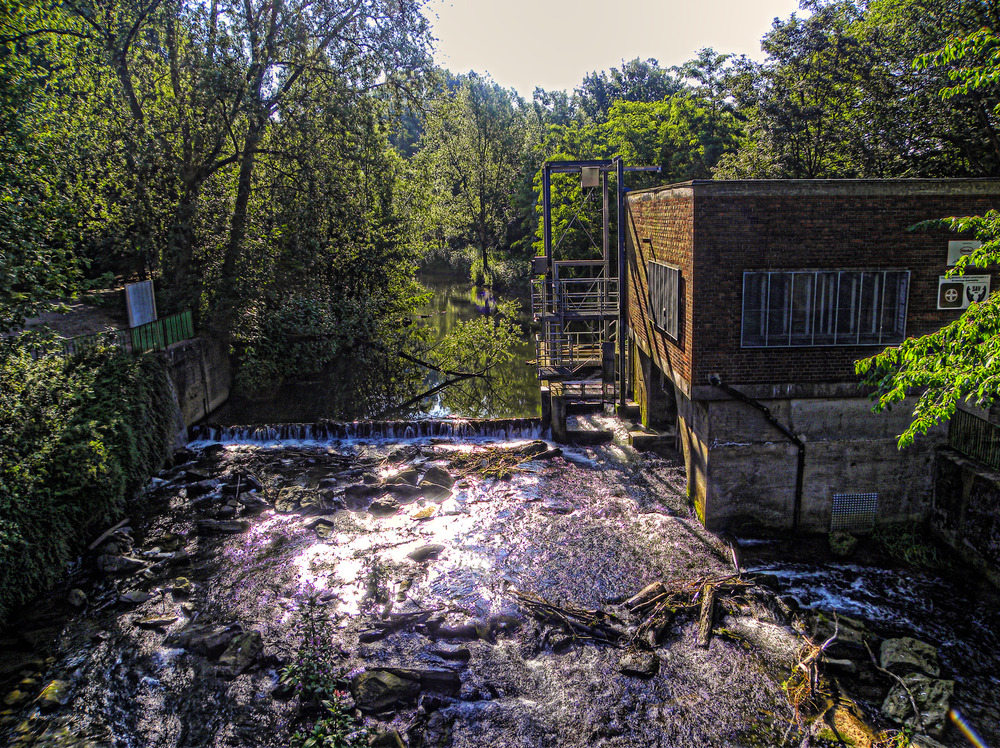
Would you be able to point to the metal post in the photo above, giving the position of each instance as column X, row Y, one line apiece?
column 605, row 227
column 547, row 219
column 622, row 292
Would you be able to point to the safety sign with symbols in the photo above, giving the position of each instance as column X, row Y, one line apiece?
column 958, row 293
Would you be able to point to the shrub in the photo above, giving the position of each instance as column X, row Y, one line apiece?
column 78, row 435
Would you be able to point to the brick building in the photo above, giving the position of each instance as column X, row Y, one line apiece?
column 748, row 303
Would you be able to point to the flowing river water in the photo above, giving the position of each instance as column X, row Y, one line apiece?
column 417, row 554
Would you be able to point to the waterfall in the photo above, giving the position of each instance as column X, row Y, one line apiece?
column 331, row 431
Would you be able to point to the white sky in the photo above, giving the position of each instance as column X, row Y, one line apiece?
column 554, row 43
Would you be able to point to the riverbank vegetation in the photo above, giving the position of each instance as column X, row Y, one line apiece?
column 80, row 436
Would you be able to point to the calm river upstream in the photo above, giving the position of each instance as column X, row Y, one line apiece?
column 511, row 390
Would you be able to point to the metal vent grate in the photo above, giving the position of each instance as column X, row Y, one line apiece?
column 853, row 512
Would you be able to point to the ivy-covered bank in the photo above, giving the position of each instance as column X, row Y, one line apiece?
column 78, row 436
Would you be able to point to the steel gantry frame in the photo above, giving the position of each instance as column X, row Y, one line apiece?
column 583, row 319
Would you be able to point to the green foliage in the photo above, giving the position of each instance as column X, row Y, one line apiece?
column 314, row 678
column 685, row 135
column 476, row 140
column 312, row 674
column 838, row 95
column 78, row 436
column 910, row 544
column 961, row 361
column 637, row 80
column 337, row 728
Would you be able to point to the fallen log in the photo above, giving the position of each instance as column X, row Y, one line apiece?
column 579, row 623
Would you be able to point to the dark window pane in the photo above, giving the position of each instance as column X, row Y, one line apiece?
column 894, row 307
column 754, row 308
column 825, row 308
column 803, row 290
column 848, row 304
column 870, row 316
column 779, row 309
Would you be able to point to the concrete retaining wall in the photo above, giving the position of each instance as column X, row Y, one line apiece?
column 201, row 374
column 967, row 510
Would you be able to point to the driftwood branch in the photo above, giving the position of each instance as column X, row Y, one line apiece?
column 705, row 618
column 580, row 623
column 107, row 533
column 901, row 682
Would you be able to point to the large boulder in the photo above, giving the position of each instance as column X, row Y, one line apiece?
column 438, row 477
column 204, row 638
column 933, row 699
column 384, row 506
column 640, row 664
column 907, row 655
column 242, row 652
column 55, row 694
column 380, row 691
column 222, row 526
column 288, row 499
column 408, row 476
column 425, row 552
column 119, row 564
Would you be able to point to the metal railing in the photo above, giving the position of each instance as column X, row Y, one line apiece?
column 575, row 296
column 569, row 351
column 152, row 336
column 975, row 437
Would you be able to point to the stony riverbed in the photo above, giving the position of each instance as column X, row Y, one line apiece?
column 174, row 631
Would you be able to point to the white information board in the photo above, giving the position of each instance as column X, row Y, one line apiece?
column 141, row 303
column 960, row 248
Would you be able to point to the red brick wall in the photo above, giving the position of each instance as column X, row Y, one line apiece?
column 737, row 226
column 666, row 219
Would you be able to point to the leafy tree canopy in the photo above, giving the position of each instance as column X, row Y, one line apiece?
column 961, row 361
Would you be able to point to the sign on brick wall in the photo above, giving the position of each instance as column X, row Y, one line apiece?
column 960, row 248
column 958, row 293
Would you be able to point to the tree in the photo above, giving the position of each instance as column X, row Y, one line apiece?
column 636, row 80
column 961, row 361
column 685, row 134
column 475, row 141
column 838, row 96
column 40, row 170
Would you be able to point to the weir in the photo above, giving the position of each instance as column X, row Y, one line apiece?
column 329, row 431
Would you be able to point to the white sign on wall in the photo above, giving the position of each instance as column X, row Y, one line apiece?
column 959, row 292
column 961, row 248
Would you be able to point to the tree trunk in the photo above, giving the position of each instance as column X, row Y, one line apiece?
column 181, row 285
column 237, row 227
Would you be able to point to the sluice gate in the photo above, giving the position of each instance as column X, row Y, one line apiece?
column 577, row 298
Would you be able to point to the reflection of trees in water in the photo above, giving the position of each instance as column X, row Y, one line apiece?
column 494, row 395
column 508, row 389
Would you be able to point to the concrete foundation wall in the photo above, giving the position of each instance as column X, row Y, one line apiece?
column 200, row 371
column 751, row 466
column 967, row 510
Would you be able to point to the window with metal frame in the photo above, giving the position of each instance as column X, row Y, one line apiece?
column 824, row 307
column 664, row 296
